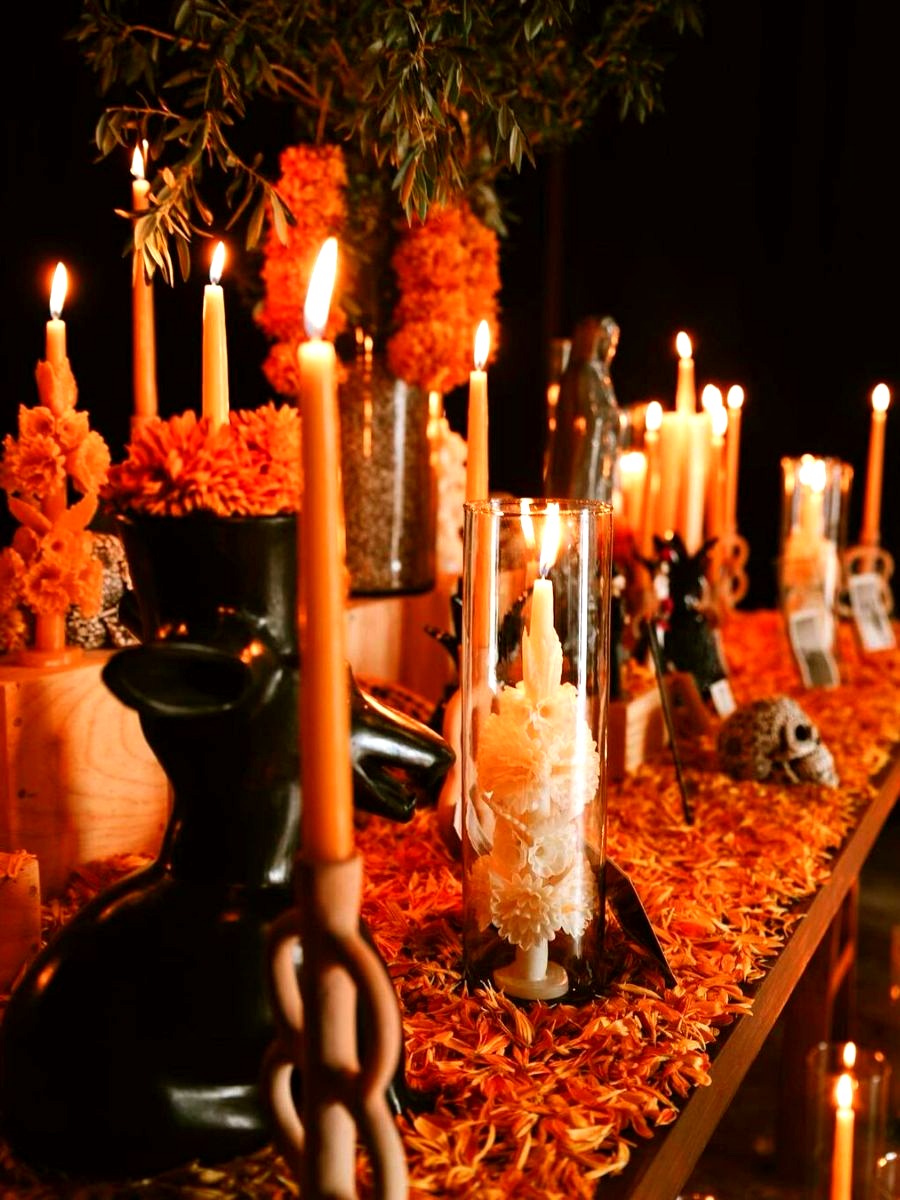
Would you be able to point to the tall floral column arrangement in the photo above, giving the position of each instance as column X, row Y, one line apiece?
column 413, row 291
column 50, row 565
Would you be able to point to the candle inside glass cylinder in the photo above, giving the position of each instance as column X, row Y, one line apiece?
column 477, row 424
column 842, row 1151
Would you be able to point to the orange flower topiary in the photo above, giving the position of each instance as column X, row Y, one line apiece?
column 249, row 467
column 444, row 275
column 448, row 278
column 313, row 183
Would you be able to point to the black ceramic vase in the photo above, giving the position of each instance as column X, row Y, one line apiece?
column 136, row 1039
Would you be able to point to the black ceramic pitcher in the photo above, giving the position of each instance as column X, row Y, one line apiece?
column 135, row 1041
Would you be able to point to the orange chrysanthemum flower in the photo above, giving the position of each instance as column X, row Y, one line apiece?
column 249, row 467
column 45, row 586
column 11, row 568
column 88, row 464
column 12, row 630
column 33, row 467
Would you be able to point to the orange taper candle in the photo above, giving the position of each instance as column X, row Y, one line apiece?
column 215, row 345
column 55, row 340
column 326, row 817
column 143, row 328
column 477, row 424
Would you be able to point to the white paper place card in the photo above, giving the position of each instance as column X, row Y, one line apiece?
column 809, row 634
column 870, row 615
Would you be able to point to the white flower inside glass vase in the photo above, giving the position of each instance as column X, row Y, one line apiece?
column 538, row 767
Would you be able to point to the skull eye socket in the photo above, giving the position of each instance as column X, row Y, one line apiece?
column 803, row 733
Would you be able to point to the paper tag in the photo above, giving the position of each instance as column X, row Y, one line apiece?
column 870, row 615
column 722, row 697
column 808, row 630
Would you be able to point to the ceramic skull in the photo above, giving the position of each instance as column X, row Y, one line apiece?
column 775, row 739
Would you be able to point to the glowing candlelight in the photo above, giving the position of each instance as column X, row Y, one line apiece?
column 812, row 477
column 870, row 535
column 477, row 427
column 632, row 484
column 842, row 1153
column 326, row 816
column 735, row 402
column 215, row 345
column 541, row 647
column 716, row 489
column 55, row 342
column 686, row 390
column 652, row 422
column 142, row 319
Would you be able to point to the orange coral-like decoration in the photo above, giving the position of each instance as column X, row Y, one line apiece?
column 313, row 184
column 50, row 566
column 448, row 277
column 249, row 467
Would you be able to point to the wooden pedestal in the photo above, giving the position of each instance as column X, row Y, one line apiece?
column 78, row 781
column 636, row 729
column 20, row 914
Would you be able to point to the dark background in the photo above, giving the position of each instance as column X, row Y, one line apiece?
column 757, row 210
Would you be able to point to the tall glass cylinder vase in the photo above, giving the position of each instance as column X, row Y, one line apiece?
column 388, row 481
column 814, row 503
column 847, row 1092
column 535, row 686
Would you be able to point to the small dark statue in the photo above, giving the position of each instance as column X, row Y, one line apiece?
column 690, row 640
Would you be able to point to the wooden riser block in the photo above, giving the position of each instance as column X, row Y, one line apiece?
column 636, row 729
column 78, row 782
column 20, row 914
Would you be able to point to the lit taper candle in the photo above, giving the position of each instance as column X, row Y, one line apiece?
column 143, row 328
column 215, row 345
column 870, row 535
column 55, row 340
column 477, row 425
column 326, row 816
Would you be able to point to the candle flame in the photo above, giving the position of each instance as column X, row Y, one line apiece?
column 321, row 285
column 527, row 523
column 482, row 345
column 881, row 397
column 632, row 462
column 137, row 163
column 58, row 291
column 550, row 539
column 683, row 345
column 812, row 472
column 653, row 417
column 711, row 397
column 735, row 397
column 217, row 264
column 849, row 1055
column 719, row 420
column 843, row 1092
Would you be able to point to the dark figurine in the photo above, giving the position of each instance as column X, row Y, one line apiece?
column 690, row 640
column 583, row 449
